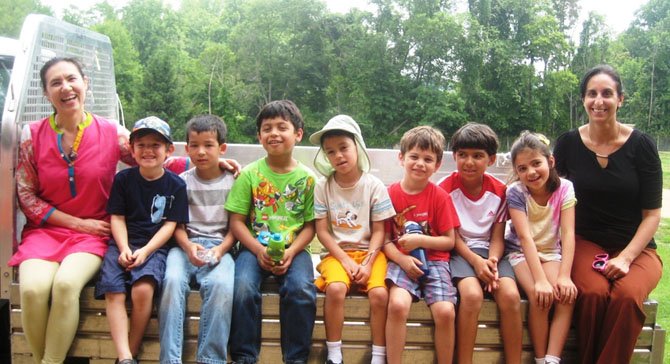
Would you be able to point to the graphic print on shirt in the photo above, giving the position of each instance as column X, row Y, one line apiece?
column 346, row 219
column 266, row 195
column 399, row 221
column 158, row 206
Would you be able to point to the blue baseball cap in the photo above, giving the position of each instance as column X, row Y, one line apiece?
column 151, row 124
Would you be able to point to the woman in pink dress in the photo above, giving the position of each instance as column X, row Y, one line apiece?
column 65, row 170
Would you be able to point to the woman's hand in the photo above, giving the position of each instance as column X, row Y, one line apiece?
column 93, row 227
column 616, row 268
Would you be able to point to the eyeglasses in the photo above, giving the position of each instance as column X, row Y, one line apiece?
column 366, row 258
column 600, row 261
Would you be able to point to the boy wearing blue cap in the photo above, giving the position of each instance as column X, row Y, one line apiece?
column 146, row 203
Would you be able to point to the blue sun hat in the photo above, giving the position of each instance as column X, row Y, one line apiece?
column 345, row 123
column 151, row 124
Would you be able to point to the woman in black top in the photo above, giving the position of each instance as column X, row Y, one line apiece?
column 616, row 172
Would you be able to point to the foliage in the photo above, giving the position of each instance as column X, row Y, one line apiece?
column 511, row 64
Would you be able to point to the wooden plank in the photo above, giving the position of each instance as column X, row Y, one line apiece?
column 356, row 307
column 270, row 352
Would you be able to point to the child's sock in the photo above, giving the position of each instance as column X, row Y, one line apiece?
column 539, row 361
column 334, row 351
column 378, row 354
column 550, row 359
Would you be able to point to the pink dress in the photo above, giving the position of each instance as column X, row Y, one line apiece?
column 46, row 181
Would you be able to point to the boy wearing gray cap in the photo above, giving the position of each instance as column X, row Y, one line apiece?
column 146, row 203
column 350, row 206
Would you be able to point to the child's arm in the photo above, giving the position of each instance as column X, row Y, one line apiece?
column 189, row 247
column 238, row 225
column 408, row 263
column 376, row 242
column 565, row 289
column 158, row 240
column 303, row 238
column 543, row 289
column 224, row 247
column 443, row 242
column 328, row 242
column 120, row 234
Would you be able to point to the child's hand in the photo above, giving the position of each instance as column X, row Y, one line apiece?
column 350, row 267
column 217, row 254
column 282, row 267
column 126, row 258
column 264, row 260
column 192, row 253
column 409, row 242
column 139, row 257
column 411, row 266
column 565, row 290
column 363, row 275
column 486, row 270
column 544, row 294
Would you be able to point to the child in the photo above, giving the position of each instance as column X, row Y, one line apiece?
column 542, row 243
column 274, row 196
column 479, row 199
column 146, row 203
column 350, row 207
column 418, row 201
column 203, row 251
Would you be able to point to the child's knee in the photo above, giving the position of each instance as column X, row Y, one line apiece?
column 143, row 289
column 379, row 297
column 398, row 308
column 336, row 291
column 444, row 312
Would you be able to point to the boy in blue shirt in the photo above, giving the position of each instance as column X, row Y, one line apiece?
column 203, row 251
column 146, row 203
column 274, row 196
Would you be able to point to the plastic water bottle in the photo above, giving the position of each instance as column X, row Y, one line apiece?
column 276, row 248
column 412, row 227
column 206, row 256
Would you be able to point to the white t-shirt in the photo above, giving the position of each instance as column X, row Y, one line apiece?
column 207, row 216
column 352, row 210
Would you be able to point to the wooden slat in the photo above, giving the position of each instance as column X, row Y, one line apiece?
column 356, row 307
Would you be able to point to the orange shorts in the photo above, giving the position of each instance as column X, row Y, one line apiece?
column 331, row 270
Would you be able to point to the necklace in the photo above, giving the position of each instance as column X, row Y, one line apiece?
column 606, row 156
column 72, row 155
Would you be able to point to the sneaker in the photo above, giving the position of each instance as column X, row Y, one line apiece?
column 126, row 361
column 331, row 362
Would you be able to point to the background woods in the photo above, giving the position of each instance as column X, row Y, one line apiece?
column 512, row 64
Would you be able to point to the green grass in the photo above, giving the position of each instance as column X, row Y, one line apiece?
column 665, row 164
column 662, row 291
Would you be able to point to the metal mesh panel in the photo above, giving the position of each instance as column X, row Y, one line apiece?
column 60, row 39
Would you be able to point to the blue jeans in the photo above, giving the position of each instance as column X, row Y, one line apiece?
column 297, row 309
column 216, row 290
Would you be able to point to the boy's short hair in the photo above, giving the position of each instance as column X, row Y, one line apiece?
column 475, row 136
column 285, row 109
column 204, row 123
column 424, row 138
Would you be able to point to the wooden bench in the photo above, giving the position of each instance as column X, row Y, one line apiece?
column 93, row 340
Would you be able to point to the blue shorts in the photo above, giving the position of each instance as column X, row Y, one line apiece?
column 115, row 279
column 436, row 285
column 460, row 268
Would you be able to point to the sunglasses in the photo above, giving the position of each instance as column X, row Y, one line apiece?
column 599, row 262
